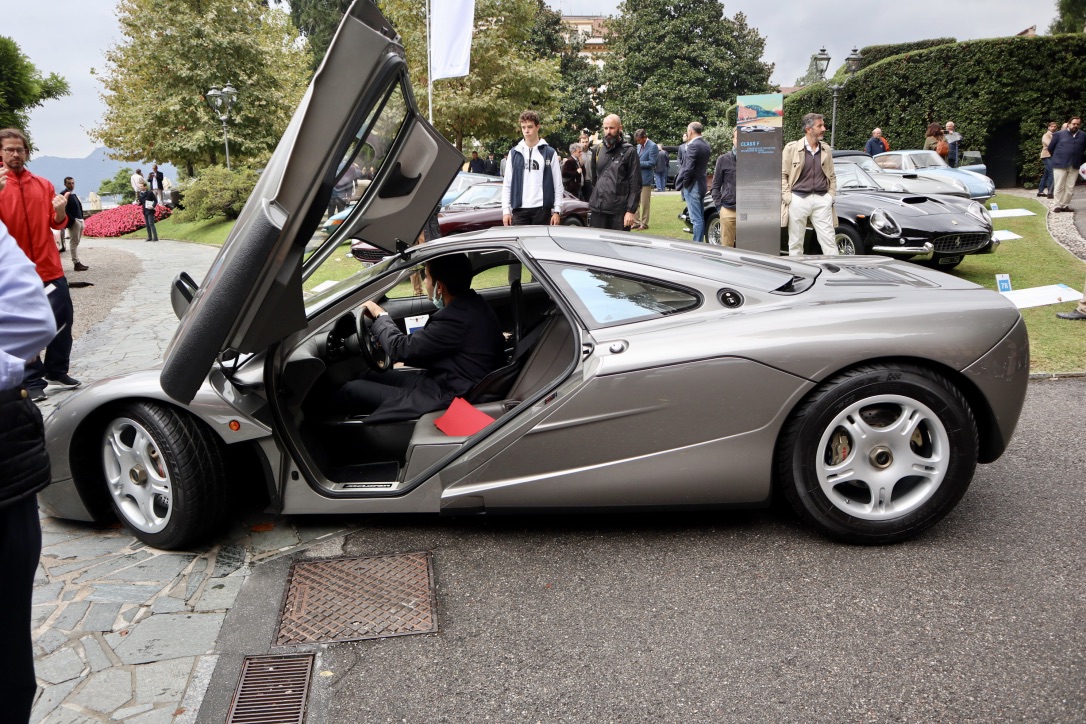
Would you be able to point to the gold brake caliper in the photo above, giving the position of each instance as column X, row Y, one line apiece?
column 840, row 447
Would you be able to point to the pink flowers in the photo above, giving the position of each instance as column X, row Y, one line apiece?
column 123, row 219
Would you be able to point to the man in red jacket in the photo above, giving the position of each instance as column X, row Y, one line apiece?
column 32, row 210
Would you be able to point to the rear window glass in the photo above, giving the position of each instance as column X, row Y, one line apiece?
column 607, row 299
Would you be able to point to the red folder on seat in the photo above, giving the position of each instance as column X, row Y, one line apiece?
column 462, row 419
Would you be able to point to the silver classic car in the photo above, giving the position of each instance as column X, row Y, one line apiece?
column 640, row 373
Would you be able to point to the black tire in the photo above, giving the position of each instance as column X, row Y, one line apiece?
column 173, row 453
column 877, row 399
column 848, row 241
column 712, row 230
column 572, row 221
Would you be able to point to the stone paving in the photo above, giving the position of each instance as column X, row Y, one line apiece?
column 124, row 632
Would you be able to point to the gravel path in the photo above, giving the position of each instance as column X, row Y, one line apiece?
column 111, row 270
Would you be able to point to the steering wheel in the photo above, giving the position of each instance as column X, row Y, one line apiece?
column 370, row 348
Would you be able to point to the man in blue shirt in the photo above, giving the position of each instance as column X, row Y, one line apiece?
column 1066, row 147
column 26, row 326
column 647, row 151
column 692, row 178
column 874, row 144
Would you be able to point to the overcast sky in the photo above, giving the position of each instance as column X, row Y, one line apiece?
column 69, row 38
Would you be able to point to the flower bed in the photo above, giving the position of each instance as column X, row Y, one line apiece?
column 121, row 220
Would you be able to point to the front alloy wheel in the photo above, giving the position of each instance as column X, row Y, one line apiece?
column 712, row 231
column 879, row 453
column 164, row 474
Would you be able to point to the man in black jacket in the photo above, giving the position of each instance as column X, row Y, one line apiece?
column 723, row 192
column 461, row 343
column 74, row 209
column 1067, row 147
column 616, row 171
column 691, row 178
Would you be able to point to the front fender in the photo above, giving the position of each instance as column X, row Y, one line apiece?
column 217, row 404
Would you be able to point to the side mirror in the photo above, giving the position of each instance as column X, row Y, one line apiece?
column 182, row 292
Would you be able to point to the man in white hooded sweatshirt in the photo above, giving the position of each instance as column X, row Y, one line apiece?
column 532, row 186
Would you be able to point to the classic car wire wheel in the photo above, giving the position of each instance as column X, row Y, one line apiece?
column 136, row 475
column 883, row 457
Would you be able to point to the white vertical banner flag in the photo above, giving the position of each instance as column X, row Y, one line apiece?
column 451, row 24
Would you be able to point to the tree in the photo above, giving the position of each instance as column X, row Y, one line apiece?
column 157, row 75
column 22, row 86
column 1070, row 17
column 812, row 75
column 318, row 20
column 506, row 74
column 120, row 184
column 578, row 79
column 677, row 61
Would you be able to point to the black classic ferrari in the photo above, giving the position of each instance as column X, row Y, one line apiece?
column 937, row 229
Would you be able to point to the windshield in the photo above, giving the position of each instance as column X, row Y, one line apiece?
column 927, row 159
column 851, row 176
column 481, row 195
column 330, row 289
column 868, row 165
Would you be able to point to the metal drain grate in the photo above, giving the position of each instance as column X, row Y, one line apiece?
column 348, row 599
column 272, row 690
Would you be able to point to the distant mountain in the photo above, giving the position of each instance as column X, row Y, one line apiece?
column 89, row 172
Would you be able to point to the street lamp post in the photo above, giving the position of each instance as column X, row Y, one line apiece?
column 221, row 101
column 822, row 63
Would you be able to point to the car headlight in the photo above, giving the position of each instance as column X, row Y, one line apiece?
column 980, row 212
column 882, row 222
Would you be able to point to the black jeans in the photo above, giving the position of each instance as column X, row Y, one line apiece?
column 600, row 220
column 527, row 217
column 58, row 354
column 20, row 548
column 149, row 220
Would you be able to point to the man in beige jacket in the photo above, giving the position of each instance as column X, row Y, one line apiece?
column 808, row 187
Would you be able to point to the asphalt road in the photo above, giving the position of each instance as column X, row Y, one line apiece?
column 729, row 617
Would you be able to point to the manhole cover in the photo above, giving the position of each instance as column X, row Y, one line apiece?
column 348, row 599
column 272, row 689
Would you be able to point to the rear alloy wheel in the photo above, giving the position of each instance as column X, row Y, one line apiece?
column 712, row 231
column 848, row 241
column 878, row 454
column 164, row 474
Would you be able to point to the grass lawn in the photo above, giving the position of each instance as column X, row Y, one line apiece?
column 1034, row 260
column 212, row 231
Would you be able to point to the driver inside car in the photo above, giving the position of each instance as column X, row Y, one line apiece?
column 460, row 344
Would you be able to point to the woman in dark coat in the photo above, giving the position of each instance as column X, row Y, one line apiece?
column 147, row 201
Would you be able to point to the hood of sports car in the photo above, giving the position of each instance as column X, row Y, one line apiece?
column 358, row 112
column 905, row 205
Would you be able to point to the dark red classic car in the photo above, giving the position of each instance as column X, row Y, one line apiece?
column 480, row 207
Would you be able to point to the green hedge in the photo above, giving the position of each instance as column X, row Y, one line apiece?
column 874, row 53
column 981, row 85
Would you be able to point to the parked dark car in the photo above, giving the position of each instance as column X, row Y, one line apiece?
column 672, row 164
column 480, row 207
column 938, row 229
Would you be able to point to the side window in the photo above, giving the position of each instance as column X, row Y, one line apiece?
column 500, row 276
column 606, row 298
column 362, row 163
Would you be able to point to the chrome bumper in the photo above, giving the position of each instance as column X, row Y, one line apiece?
column 917, row 253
